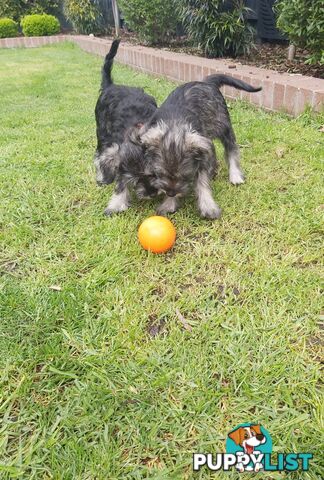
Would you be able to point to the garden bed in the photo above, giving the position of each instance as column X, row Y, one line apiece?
column 267, row 55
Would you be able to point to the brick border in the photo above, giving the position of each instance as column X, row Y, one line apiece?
column 281, row 91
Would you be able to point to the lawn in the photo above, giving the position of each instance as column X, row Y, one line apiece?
column 119, row 364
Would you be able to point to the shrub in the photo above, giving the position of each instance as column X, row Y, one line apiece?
column 217, row 26
column 39, row 25
column 85, row 16
column 8, row 28
column 17, row 9
column 12, row 8
column 303, row 22
column 154, row 21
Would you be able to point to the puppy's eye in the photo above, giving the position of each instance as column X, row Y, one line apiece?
column 246, row 435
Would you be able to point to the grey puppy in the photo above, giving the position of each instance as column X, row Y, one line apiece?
column 173, row 152
column 119, row 108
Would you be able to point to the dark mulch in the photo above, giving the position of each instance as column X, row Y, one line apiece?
column 266, row 55
column 274, row 57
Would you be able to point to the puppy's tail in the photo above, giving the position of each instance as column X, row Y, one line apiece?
column 220, row 80
column 107, row 66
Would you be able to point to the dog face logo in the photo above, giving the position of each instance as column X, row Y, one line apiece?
column 249, row 439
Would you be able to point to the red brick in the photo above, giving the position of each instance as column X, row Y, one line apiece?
column 121, row 53
column 136, row 58
column 267, row 94
column 149, row 62
column 305, row 98
column 278, row 97
column 205, row 72
column 290, row 99
column 167, row 67
column 186, row 72
column 175, row 70
column 131, row 57
column 195, row 73
column 103, row 50
column 154, row 63
column 244, row 95
column 157, row 65
column 142, row 60
column 14, row 42
column 181, row 71
column 255, row 97
column 318, row 101
column 162, row 68
column 228, row 91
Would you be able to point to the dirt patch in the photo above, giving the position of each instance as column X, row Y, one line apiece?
column 155, row 326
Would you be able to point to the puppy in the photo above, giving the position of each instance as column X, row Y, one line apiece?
column 118, row 110
column 176, row 149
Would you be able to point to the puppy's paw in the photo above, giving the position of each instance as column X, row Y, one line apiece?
column 236, row 177
column 212, row 213
column 169, row 205
column 164, row 211
column 111, row 211
column 108, row 212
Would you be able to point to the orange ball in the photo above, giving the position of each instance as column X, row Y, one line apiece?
column 157, row 234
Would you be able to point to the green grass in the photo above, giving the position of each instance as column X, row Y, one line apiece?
column 99, row 377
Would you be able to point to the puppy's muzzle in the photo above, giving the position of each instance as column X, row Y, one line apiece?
column 107, row 180
column 171, row 194
column 100, row 184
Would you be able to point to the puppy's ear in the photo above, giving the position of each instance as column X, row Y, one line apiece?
column 198, row 142
column 257, row 429
column 204, row 151
column 134, row 134
column 236, row 436
column 152, row 136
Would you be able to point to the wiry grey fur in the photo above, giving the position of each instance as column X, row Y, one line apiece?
column 173, row 152
column 118, row 110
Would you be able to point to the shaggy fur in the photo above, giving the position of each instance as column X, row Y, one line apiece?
column 174, row 153
column 118, row 110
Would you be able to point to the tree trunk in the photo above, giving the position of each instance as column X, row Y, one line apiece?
column 116, row 16
column 291, row 52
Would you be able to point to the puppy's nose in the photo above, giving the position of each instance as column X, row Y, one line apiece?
column 260, row 436
column 171, row 193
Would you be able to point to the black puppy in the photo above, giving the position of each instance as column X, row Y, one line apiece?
column 177, row 148
column 118, row 110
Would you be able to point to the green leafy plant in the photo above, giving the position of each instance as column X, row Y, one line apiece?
column 217, row 26
column 17, row 9
column 154, row 21
column 85, row 16
column 40, row 25
column 12, row 8
column 8, row 28
column 303, row 22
